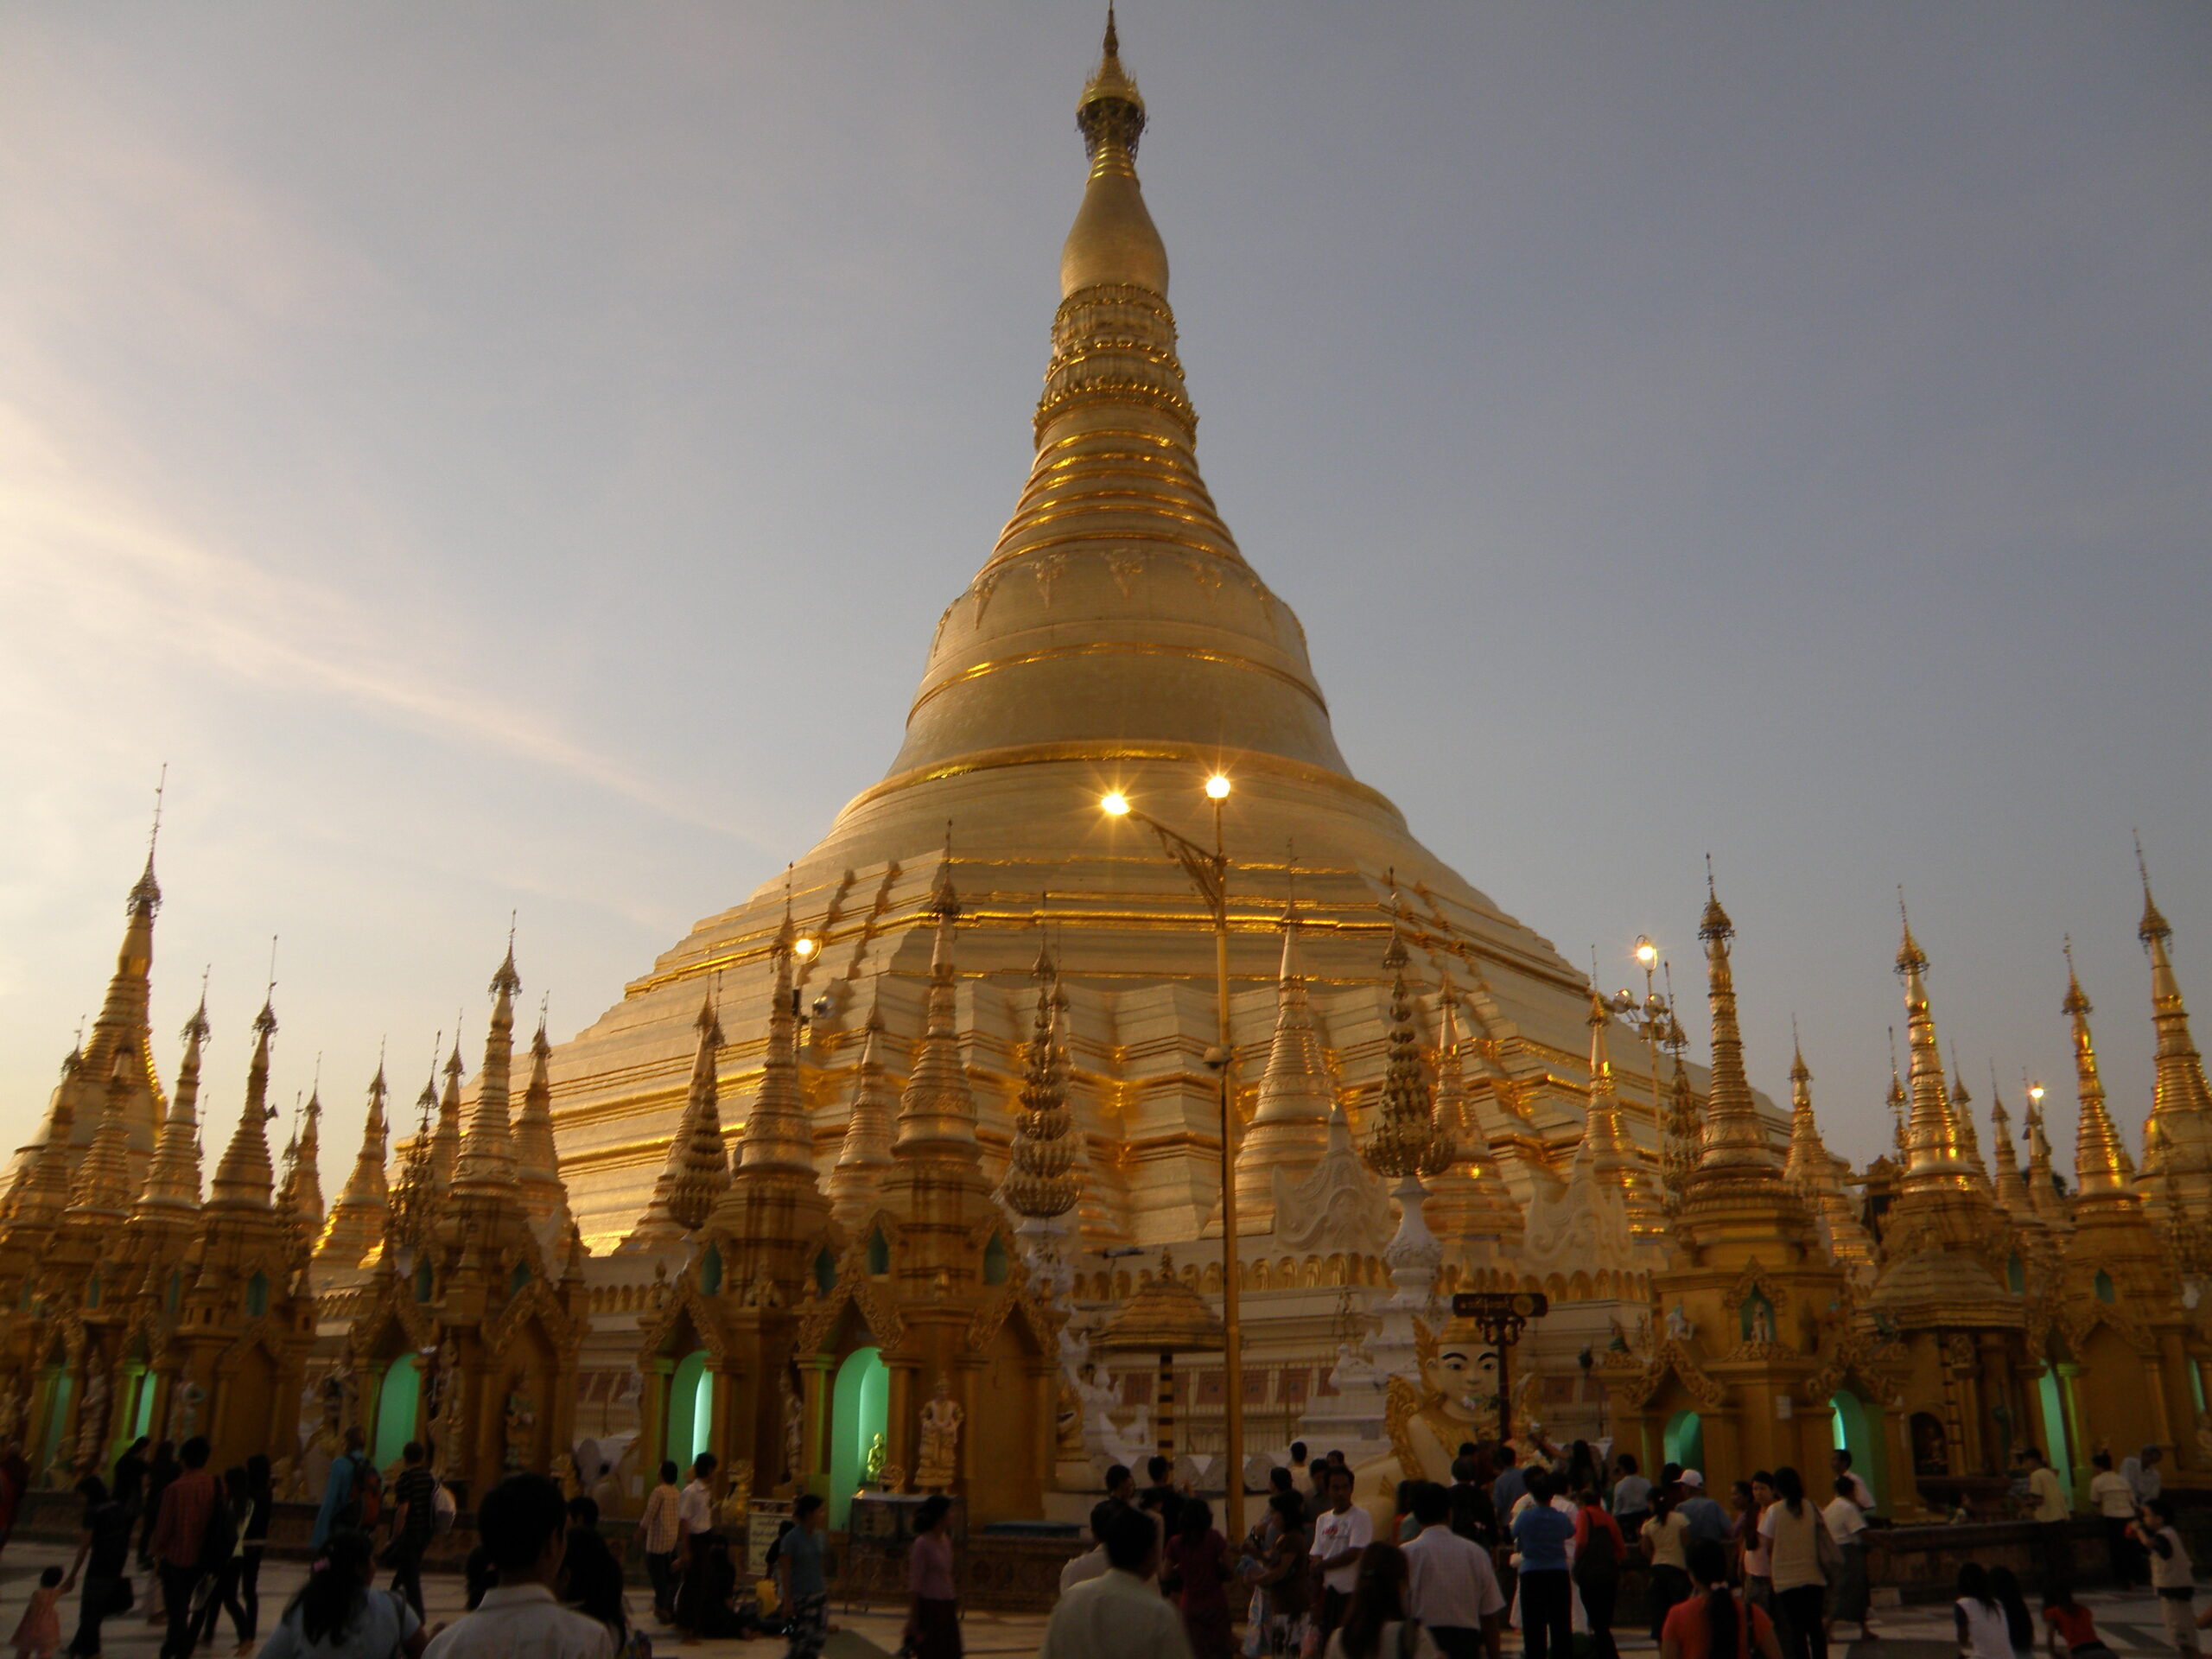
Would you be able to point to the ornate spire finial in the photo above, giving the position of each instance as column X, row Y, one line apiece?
column 146, row 896
column 1735, row 1145
column 2153, row 925
column 1406, row 1140
column 2103, row 1173
column 1040, row 1179
column 1714, row 923
column 1910, row 958
column 1799, row 1072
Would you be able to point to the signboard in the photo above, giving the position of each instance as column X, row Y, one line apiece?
column 762, row 1522
column 1499, row 1316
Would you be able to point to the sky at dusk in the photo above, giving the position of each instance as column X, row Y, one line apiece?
column 510, row 459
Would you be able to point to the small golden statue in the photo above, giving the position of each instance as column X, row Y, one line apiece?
column 877, row 1451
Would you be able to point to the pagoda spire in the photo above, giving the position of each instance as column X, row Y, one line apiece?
column 173, row 1177
column 303, row 1194
column 2104, row 1177
column 1935, row 1152
column 779, row 1134
column 1040, row 1180
column 937, row 1112
column 445, row 1144
column 1406, row 1142
column 537, row 1159
column 696, row 1171
column 1895, row 1101
column 101, row 1189
column 2177, row 1137
column 1289, row 1130
column 485, row 1163
column 415, row 1199
column 1810, row 1170
column 1469, row 1204
column 1736, row 1143
column 244, row 1177
column 358, row 1219
column 2043, row 1179
column 856, row 1181
column 1962, row 1108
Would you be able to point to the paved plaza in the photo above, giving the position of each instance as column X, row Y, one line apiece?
column 2128, row 1623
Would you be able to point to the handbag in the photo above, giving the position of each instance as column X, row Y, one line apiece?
column 1826, row 1550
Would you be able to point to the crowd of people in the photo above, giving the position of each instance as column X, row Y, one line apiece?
column 1544, row 1546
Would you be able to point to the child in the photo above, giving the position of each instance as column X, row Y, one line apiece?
column 2172, row 1575
column 40, row 1631
column 2074, row 1632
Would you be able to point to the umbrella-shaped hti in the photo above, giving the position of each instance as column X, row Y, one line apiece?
column 1165, row 1318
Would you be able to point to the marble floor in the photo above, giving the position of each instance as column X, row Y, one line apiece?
column 2129, row 1623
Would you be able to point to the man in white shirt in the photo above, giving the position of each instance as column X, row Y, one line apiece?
column 1451, row 1587
column 1861, row 1493
column 1119, row 1614
column 2053, row 1515
column 524, row 1524
column 695, row 1518
column 1340, row 1533
column 2113, row 1500
column 2142, row 1473
column 1083, row 1569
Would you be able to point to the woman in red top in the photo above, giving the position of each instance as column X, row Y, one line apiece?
column 1196, row 1567
column 2070, row 1623
column 1712, row 1624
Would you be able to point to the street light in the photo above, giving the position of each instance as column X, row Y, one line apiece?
column 1209, row 874
column 1651, row 1019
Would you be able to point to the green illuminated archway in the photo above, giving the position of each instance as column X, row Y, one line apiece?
column 1684, row 1441
column 397, row 1396
column 860, row 1410
column 690, row 1409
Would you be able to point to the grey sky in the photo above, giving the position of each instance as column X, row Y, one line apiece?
column 513, row 457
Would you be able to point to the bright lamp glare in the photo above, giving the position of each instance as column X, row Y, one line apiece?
column 1218, row 787
column 805, row 947
column 1647, row 953
column 1115, row 805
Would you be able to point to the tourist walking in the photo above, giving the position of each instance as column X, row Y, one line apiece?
column 180, row 1540
column 103, row 1558
column 1847, row 1524
column 345, row 1490
column 2173, row 1577
column 660, row 1529
column 414, row 1520
column 1375, row 1624
column 1598, row 1551
column 696, row 1509
column 1543, row 1535
column 1802, row 1557
column 160, row 1471
column 2113, row 1500
column 932, row 1594
column 1284, row 1578
column 1340, row 1532
column 235, row 1506
column 1754, row 1555
column 1710, row 1622
column 337, row 1616
column 38, row 1632
column 1702, row 1510
column 1979, row 1616
column 801, row 1579
column 1666, row 1541
column 1119, row 1614
column 1196, row 1568
column 524, row 1521
column 1452, row 1586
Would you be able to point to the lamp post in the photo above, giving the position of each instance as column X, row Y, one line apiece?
column 1651, row 1019
column 1209, row 874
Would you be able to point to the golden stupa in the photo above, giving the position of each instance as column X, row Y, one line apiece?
column 1115, row 637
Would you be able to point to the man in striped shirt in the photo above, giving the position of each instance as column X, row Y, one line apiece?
column 414, row 1518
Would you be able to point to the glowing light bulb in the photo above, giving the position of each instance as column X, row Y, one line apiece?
column 805, row 947
column 1646, row 952
column 1114, row 805
column 1217, row 788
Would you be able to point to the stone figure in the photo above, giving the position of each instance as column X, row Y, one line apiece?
column 794, row 1430
column 521, row 1429
column 937, row 1464
column 1679, row 1328
column 1762, row 1322
column 92, row 1421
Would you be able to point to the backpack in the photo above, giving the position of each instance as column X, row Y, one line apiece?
column 363, row 1497
column 1597, row 1562
column 443, row 1511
